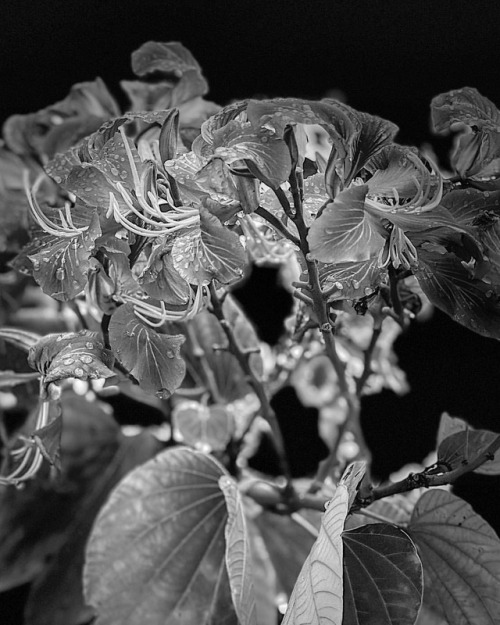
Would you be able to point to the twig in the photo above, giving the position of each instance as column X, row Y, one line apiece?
column 419, row 480
column 276, row 224
column 242, row 358
column 367, row 369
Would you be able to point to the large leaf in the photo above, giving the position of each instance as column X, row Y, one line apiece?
column 450, row 287
column 56, row 597
column 279, row 534
column 344, row 231
column 208, row 252
column 60, row 264
column 318, row 593
column 157, row 551
column 458, row 443
column 238, row 554
column 383, row 578
column 461, row 557
column 152, row 358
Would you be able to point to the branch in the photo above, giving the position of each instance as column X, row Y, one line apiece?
column 242, row 358
column 367, row 368
column 419, row 480
column 276, row 224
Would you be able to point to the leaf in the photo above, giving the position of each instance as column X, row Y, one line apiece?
column 449, row 425
column 59, row 589
column 279, row 533
column 450, row 287
column 60, row 264
column 238, row 555
column 267, row 152
column 208, row 428
column 161, row 280
column 167, row 58
column 458, row 443
column 460, row 553
column 78, row 355
column 153, row 359
column 212, row 251
column 208, row 335
column 465, row 106
column 397, row 170
column 383, row 578
column 162, row 558
column 34, row 521
column 318, row 593
column 344, row 231
column 396, row 509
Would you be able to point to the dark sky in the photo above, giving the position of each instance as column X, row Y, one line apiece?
column 388, row 56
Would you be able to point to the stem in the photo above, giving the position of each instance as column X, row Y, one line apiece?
column 242, row 358
column 199, row 354
column 367, row 369
column 276, row 224
column 321, row 309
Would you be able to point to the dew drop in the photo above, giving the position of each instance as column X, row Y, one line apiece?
column 60, row 274
column 89, row 345
column 355, row 284
column 79, row 373
column 114, row 171
column 68, row 361
column 86, row 359
column 170, row 354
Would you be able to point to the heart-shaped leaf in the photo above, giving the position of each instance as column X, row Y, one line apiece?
column 383, row 578
column 344, row 231
column 238, row 555
column 153, row 359
column 318, row 593
column 208, row 428
column 460, row 553
column 157, row 551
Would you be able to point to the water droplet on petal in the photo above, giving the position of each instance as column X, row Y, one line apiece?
column 79, row 373
column 89, row 345
column 60, row 274
column 86, row 359
column 68, row 361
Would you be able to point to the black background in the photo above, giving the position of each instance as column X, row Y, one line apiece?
column 389, row 57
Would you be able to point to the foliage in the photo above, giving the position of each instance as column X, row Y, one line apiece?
column 132, row 229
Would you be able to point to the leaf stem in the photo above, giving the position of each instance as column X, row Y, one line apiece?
column 243, row 360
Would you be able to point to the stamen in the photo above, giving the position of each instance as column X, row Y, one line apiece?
column 67, row 230
column 130, row 157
